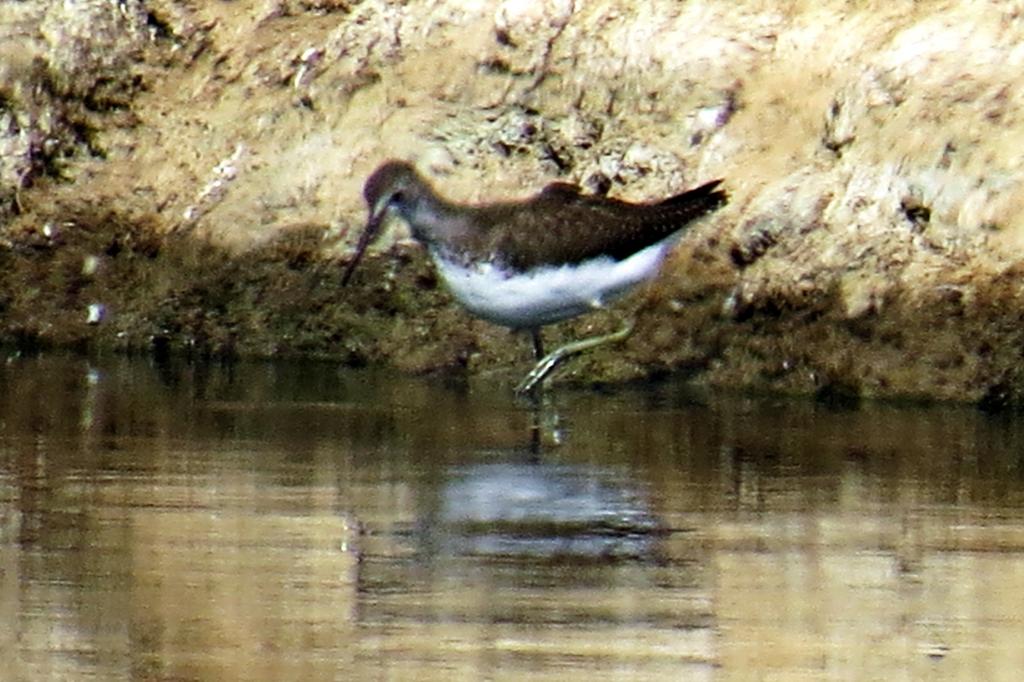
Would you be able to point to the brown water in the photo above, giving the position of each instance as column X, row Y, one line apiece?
column 294, row 522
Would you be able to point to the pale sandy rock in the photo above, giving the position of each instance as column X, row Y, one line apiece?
column 871, row 150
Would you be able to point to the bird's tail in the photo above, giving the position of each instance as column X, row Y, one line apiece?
column 707, row 197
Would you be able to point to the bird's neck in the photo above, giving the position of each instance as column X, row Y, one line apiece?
column 434, row 221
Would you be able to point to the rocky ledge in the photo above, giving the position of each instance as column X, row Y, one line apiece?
column 180, row 176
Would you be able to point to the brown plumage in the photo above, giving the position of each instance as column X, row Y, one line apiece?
column 560, row 225
column 557, row 226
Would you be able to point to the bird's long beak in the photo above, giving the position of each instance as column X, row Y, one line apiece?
column 369, row 232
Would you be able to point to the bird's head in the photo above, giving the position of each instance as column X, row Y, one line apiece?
column 393, row 189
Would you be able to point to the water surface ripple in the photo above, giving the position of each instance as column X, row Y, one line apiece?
column 295, row 521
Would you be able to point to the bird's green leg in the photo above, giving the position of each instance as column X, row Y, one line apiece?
column 548, row 363
column 538, row 343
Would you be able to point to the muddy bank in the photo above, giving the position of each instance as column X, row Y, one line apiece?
column 182, row 178
column 103, row 281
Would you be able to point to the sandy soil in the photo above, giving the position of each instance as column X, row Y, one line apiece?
column 180, row 176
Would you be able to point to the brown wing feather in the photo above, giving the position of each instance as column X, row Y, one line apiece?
column 560, row 225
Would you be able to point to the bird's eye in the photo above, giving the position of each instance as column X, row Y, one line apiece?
column 398, row 198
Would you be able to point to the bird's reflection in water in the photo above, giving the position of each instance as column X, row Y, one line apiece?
column 542, row 510
column 525, row 503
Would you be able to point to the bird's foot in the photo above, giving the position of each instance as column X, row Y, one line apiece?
column 549, row 362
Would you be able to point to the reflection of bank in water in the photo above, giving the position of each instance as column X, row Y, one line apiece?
column 542, row 511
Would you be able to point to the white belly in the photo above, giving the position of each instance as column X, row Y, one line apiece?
column 547, row 294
